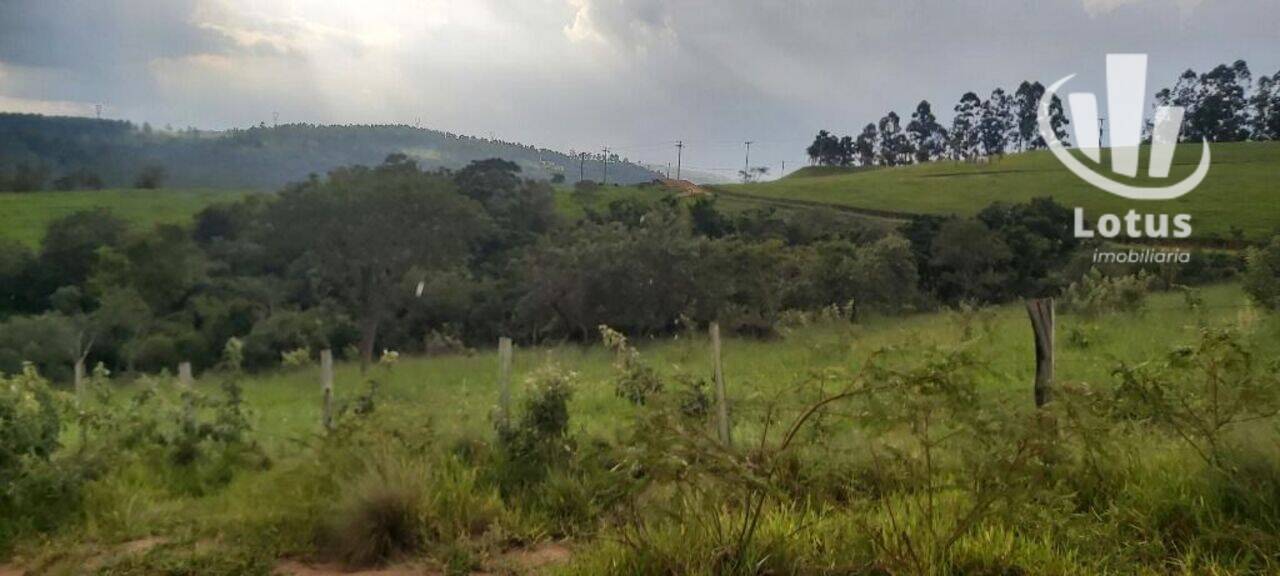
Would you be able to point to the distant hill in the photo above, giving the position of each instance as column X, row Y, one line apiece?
column 46, row 148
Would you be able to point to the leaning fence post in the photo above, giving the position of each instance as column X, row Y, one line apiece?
column 722, row 404
column 1041, row 312
column 79, row 379
column 504, row 380
column 326, row 387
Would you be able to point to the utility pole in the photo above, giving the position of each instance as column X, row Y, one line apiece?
column 746, row 163
column 582, row 166
column 679, row 156
column 604, row 168
column 1101, row 122
column 783, row 171
column 275, row 119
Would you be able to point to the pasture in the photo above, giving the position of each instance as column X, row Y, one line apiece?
column 24, row 216
column 1238, row 197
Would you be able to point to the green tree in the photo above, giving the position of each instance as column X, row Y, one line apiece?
column 355, row 235
column 927, row 137
column 71, row 245
column 972, row 261
column 895, row 147
column 865, row 146
column 996, row 124
column 965, row 135
column 1262, row 277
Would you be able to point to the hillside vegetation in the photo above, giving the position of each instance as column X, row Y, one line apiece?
column 37, row 151
column 1239, row 194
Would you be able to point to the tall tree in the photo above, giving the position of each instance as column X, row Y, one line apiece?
column 964, row 127
column 822, row 151
column 895, row 149
column 1221, row 114
column 1026, row 104
column 865, row 146
column 1215, row 102
column 1265, row 109
column 928, row 138
column 357, row 235
column 996, row 124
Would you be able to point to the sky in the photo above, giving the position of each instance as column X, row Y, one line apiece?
column 631, row 75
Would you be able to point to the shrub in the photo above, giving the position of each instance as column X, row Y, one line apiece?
column 1202, row 392
column 1262, row 277
column 1097, row 293
column 379, row 519
column 29, row 423
column 538, row 439
column 635, row 381
column 33, row 491
column 296, row 358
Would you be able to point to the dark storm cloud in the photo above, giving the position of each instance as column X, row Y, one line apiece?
column 632, row 74
column 87, row 35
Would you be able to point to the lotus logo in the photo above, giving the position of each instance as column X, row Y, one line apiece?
column 1126, row 92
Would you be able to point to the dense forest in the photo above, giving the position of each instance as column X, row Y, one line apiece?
column 42, row 152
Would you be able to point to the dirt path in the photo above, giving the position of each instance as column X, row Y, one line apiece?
column 523, row 561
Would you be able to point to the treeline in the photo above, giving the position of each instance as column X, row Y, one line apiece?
column 1222, row 105
column 401, row 258
column 45, row 152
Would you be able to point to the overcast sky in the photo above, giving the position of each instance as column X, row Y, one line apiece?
column 631, row 74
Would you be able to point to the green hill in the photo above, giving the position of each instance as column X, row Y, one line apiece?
column 44, row 149
column 23, row 217
column 1241, row 193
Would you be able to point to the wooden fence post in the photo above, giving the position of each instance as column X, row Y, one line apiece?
column 1041, row 312
column 504, row 380
column 722, row 403
column 326, row 387
column 79, row 380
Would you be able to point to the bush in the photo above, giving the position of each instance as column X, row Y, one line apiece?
column 1262, row 277
column 538, row 438
column 29, row 428
column 635, row 381
column 1097, row 293
column 379, row 519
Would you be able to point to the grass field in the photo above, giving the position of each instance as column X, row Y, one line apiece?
column 24, row 216
column 1239, row 192
column 458, row 393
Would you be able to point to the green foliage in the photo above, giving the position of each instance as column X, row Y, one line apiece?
column 29, row 424
column 635, row 381
column 1262, row 278
column 538, row 438
column 1096, row 293
column 1202, row 392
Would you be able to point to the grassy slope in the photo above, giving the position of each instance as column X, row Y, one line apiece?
column 457, row 393
column 1241, row 189
column 24, row 216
